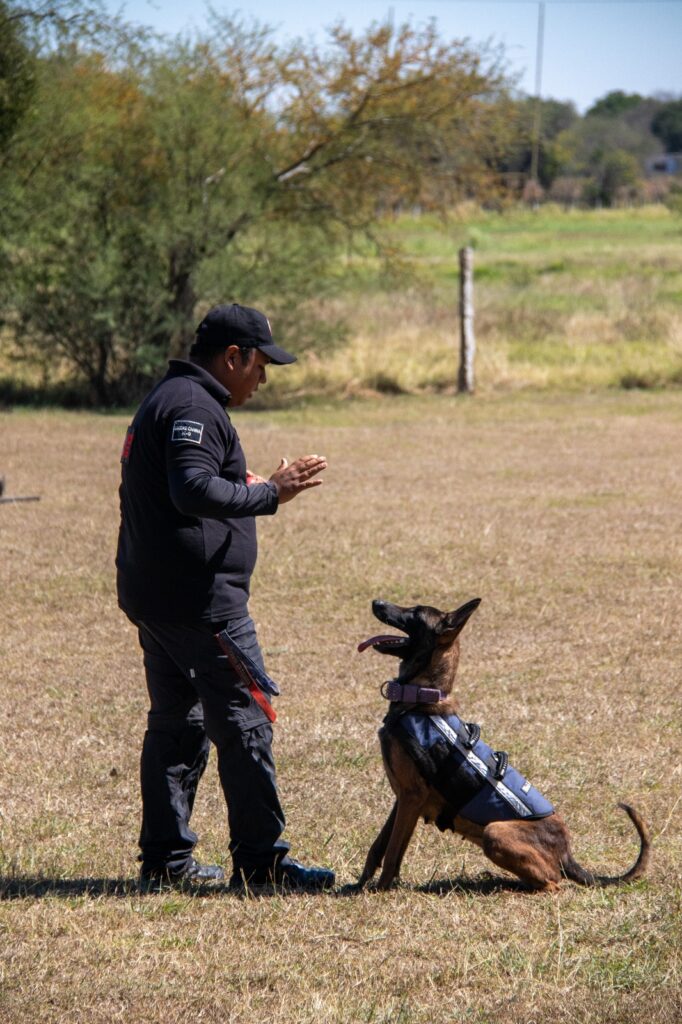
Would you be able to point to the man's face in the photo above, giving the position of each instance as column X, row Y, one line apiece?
column 242, row 379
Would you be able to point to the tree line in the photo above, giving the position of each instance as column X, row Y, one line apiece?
column 601, row 158
column 144, row 178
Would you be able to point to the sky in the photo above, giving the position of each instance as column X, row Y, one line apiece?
column 590, row 46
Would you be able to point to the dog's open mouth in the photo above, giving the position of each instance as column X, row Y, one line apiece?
column 386, row 643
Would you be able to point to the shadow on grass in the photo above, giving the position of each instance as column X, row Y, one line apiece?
column 21, row 887
column 482, row 885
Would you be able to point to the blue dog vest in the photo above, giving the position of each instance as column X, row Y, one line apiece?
column 478, row 783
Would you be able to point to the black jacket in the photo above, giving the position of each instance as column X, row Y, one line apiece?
column 187, row 541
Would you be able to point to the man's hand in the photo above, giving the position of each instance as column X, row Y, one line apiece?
column 290, row 480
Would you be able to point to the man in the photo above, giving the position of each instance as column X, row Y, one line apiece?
column 186, row 552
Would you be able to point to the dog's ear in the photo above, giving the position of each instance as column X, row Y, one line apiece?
column 452, row 624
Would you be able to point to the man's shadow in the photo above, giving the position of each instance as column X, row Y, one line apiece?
column 22, row 887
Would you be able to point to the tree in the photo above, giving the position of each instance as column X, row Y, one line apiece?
column 24, row 29
column 609, row 152
column 330, row 137
column 667, row 126
column 614, row 104
column 82, row 266
column 16, row 75
column 17, row 84
column 555, row 117
column 607, row 148
column 614, row 178
column 228, row 167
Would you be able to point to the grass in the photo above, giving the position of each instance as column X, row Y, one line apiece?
column 564, row 299
column 562, row 512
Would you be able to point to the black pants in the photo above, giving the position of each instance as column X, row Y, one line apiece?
column 196, row 698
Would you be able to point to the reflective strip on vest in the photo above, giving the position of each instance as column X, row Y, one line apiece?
column 481, row 768
column 494, row 799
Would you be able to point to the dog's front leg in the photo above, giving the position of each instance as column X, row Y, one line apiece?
column 407, row 808
column 378, row 849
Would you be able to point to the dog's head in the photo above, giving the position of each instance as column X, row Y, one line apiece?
column 429, row 635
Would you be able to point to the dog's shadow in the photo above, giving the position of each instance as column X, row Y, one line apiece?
column 482, row 885
column 22, row 887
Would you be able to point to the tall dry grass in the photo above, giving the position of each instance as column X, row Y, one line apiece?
column 564, row 299
column 568, row 299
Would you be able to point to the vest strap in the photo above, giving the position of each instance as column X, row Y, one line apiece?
column 492, row 773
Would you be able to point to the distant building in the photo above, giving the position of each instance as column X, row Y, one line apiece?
column 665, row 163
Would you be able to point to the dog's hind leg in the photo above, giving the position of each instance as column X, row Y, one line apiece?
column 510, row 846
column 407, row 810
column 378, row 848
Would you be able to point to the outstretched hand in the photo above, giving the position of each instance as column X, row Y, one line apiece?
column 290, row 480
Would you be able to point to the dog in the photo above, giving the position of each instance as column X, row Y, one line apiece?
column 440, row 770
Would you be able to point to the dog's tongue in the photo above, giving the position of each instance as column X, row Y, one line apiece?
column 385, row 638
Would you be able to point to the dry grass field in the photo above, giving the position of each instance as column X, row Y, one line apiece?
column 564, row 513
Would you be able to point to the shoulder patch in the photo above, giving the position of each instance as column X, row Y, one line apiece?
column 187, row 430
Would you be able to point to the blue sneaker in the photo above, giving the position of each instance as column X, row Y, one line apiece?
column 286, row 874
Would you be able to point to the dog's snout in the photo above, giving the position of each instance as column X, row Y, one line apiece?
column 378, row 604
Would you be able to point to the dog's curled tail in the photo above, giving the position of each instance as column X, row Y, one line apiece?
column 578, row 874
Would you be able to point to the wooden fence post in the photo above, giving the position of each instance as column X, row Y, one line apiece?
column 465, row 380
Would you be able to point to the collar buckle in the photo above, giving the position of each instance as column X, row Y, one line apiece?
column 409, row 693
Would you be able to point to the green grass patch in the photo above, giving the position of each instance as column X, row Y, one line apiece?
column 579, row 299
column 563, row 299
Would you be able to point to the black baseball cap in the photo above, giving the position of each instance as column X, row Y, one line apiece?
column 238, row 325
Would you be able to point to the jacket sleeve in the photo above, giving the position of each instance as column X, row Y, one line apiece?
column 206, row 469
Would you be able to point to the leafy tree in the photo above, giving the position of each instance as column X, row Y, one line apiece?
column 616, row 175
column 667, row 126
column 614, row 104
column 228, row 167
column 554, row 117
column 604, row 149
column 610, row 144
column 25, row 28
column 17, row 84
column 16, row 74
column 368, row 123
column 80, row 286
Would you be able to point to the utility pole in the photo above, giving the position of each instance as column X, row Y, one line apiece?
column 535, row 139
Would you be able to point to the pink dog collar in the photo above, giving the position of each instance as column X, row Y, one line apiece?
column 410, row 694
